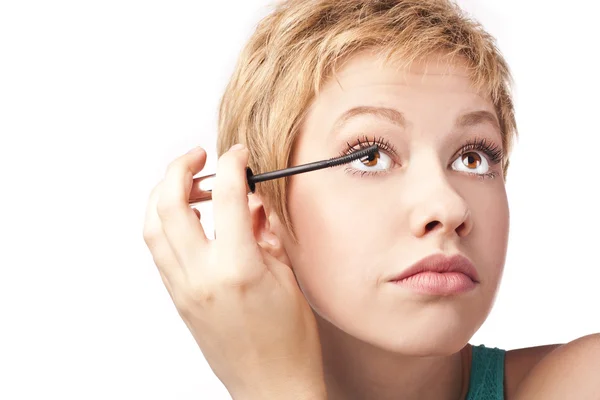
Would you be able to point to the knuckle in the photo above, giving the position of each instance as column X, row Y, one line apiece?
column 232, row 281
column 150, row 234
column 193, row 298
column 205, row 294
column 154, row 192
column 164, row 207
column 175, row 169
column 173, row 166
column 239, row 282
column 178, row 168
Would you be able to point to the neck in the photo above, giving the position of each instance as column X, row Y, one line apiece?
column 356, row 370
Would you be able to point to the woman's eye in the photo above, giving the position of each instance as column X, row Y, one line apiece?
column 377, row 162
column 472, row 162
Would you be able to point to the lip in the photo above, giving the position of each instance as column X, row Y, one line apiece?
column 441, row 263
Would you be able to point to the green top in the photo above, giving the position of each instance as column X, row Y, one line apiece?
column 486, row 381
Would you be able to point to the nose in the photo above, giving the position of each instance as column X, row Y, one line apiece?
column 437, row 208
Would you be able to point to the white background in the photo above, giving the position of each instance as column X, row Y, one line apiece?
column 97, row 97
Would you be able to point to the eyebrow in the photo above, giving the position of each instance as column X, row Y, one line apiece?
column 394, row 116
column 390, row 114
column 474, row 118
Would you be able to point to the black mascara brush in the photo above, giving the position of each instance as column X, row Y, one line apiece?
column 202, row 186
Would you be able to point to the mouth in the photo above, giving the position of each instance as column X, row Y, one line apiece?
column 439, row 274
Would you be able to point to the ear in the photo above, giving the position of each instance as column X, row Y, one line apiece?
column 263, row 229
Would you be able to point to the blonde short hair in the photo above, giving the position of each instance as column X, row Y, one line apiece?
column 297, row 47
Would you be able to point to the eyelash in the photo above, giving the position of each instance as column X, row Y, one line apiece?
column 492, row 151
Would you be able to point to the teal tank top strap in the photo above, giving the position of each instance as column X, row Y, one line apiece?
column 486, row 381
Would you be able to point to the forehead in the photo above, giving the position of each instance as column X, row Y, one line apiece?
column 368, row 69
column 429, row 86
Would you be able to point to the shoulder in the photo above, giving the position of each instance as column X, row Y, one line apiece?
column 556, row 371
column 519, row 362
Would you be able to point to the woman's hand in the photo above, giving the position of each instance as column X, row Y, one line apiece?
column 241, row 304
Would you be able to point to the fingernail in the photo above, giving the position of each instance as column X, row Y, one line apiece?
column 235, row 147
column 195, row 150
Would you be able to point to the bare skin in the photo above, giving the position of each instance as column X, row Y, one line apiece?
column 341, row 329
column 378, row 340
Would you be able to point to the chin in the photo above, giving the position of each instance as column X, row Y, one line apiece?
column 442, row 337
column 424, row 345
column 411, row 328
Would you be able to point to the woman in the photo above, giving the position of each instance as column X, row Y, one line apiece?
column 327, row 285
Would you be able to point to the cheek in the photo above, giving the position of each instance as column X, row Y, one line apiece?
column 332, row 248
column 490, row 234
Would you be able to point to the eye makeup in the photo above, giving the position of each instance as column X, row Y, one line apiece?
column 480, row 147
column 491, row 150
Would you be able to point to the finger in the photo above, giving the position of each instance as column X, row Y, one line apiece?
column 197, row 212
column 155, row 239
column 232, row 220
column 279, row 271
column 182, row 228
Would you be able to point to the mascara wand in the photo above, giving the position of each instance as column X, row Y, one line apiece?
column 202, row 186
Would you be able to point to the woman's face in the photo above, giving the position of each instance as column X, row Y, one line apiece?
column 360, row 224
